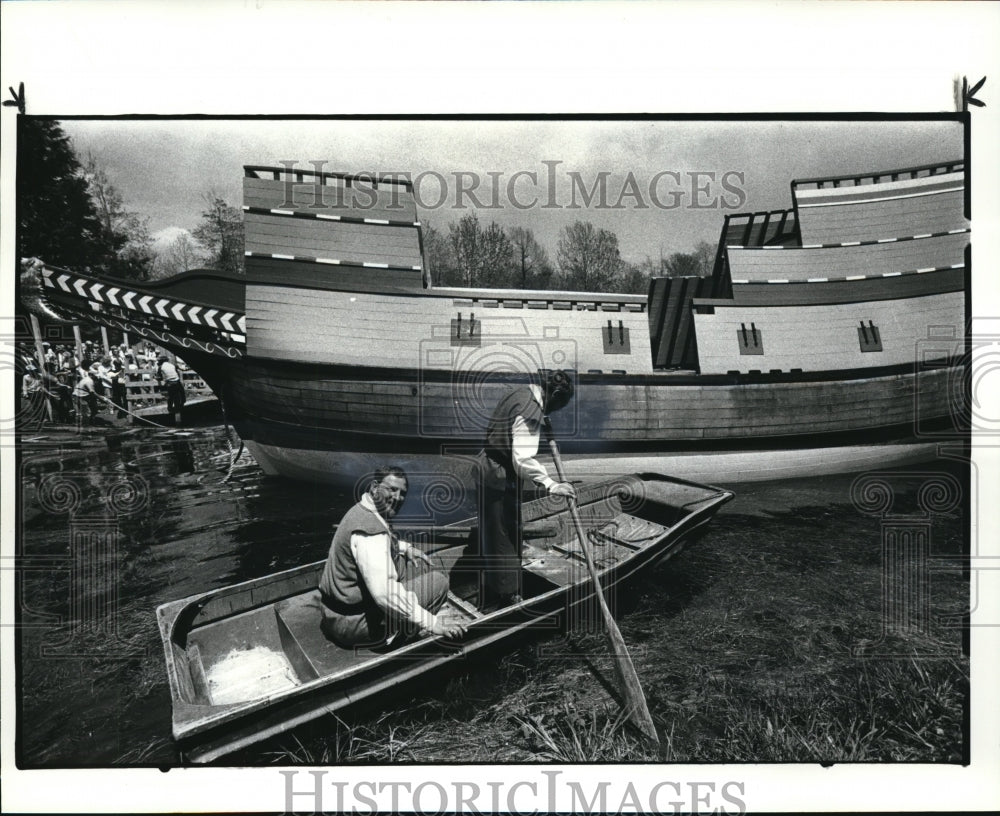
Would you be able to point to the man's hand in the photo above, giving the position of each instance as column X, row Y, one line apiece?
column 563, row 489
column 415, row 554
column 449, row 627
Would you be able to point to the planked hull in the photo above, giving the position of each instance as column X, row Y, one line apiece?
column 640, row 520
column 302, row 423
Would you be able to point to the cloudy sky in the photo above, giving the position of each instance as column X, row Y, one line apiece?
column 651, row 169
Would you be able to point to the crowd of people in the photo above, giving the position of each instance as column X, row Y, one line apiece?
column 83, row 381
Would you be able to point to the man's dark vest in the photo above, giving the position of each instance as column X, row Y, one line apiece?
column 341, row 584
column 499, row 432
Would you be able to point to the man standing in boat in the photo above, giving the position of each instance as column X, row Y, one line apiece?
column 374, row 585
column 509, row 455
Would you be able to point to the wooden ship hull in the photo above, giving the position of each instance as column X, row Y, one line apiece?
column 249, row 662
column 824, row 330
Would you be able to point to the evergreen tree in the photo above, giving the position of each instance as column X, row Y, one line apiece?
column 56, row 218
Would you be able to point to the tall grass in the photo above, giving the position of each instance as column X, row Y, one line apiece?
column 750, row 647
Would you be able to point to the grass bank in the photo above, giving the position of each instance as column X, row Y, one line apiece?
column 766, row 642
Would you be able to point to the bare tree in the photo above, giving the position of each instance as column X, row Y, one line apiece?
column 496, row 257
column 182, row 254
column 532, row 269
column 705, row 254
column 465, row 238
column 682, row 265
column 439, row 257
column 634, row 278
column 221, row 234
column 589, row 258
column 125, row 236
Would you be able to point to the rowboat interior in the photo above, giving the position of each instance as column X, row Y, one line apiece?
column 255, row 651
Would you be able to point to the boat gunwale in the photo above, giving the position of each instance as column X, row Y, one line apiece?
column 198, row 720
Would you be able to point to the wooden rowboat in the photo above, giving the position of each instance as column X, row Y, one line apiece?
column 249, row 661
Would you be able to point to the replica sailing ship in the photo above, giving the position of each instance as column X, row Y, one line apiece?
column 831, row 327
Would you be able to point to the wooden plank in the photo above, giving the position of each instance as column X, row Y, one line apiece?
column 801, row 264
column 846, row 193
column 467, row 609
column 320, row 276
column 199, row 681
column 882, row 219
column 335, row 242
column 658, row 329
column 670, row 311
column 685, row 324
column 681, row 414
column 901, row 288
column 340, row 232
column 205, row 287
column 359, row 202
column 333, row 190
column 334, row 232
column 329, row 327
column 816, row 338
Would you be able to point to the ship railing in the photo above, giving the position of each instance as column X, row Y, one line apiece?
column 904, row 173
column 143, row 391
column 329, row 178
column 763, row 228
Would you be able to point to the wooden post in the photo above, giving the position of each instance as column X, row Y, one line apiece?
column 79, row 344
column 104, row 339
column 36, row 330
column 128, row 345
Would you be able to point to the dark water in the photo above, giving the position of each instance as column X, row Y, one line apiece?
column 109, row 534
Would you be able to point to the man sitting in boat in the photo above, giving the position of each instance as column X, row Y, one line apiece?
column 374, row 586
column 508, row 456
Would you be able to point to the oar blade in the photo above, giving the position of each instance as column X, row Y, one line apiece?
column 635, row 700
column 633, row 697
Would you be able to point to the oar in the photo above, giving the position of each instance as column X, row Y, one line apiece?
column 635, row 700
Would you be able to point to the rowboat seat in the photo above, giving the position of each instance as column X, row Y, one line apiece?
column 306, row 645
